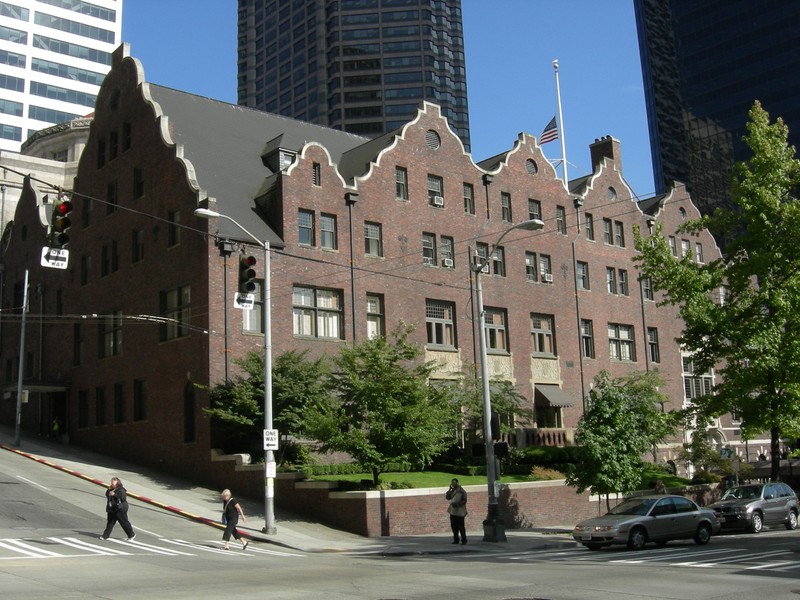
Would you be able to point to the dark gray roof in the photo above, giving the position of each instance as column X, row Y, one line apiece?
column 651, row 206
column 491, row 163
column 224, row 143
column 578, row 185
column 355, row 161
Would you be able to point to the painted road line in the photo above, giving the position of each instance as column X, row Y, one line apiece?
column 770, row 566
column 26, row 480
column 23, row 544
column 10, row 546
column 204, row 548
column 150, row 548
column 739, row 558
column 684, row 554
column 81, row 545
column 255, row 550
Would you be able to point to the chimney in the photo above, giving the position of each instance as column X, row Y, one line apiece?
column 606, row 147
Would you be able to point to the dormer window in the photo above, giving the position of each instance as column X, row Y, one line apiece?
column 286, row 159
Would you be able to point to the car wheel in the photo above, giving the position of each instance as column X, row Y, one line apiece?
column 637, row 538
column 791, row 521
column 756, row 522
column 703, row 534
column 594, row 546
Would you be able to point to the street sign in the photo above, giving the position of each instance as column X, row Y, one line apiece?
column 244, row 301
column 55, row 258
column 272, row 469
column 270, row 439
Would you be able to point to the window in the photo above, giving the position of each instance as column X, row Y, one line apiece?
column 83, row 409
column 435, row 190
column 611, row 280
column 608, row 236
column 429, row 249
column 316, row 174
column 482, row 256
column 589, row 226
column 621, row 344
column 86, row 212
column 126, row 136
column 499, row 261
column 530, row 266
column 673, row 245
column 375, row 320
column 622, row 278
column 139, row 400
column 447, row 253
column 317, row 313
column 647, row 288
column 543, row 334
column 109, row 258
column 561, row 220
column 253, row 320
column 696, row 384
column 401, row 183
column 77, row 344
column 137, row 245
column 505, row 207
column 138, row 182
column 100, row 406
column 305, row 227
column 534, row 209
column 496, row 338
column 545, row 268
column 686, row 248
column 113, row 139
column 698, row 253
column 619, row 234
column 469, row 199
column 587, row 338
column 101, row 154
column 440, row 323
column 111, row 197
column 111, row 335
column 373, row 240
column 327, row 226
column 652, row 345
column 582, row 274
column 119, row 403
column 174, row 228
column 175, row 309
column 86, row 266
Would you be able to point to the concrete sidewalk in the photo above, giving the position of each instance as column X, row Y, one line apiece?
column 203, row 506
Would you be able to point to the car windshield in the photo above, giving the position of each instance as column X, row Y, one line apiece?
column 638, row 506
column 744, row 492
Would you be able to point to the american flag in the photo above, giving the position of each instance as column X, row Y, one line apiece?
column 549, row 133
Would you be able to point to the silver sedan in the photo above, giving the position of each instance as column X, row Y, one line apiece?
column 643, row 519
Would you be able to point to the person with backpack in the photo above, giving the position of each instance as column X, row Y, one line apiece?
column 117, row 510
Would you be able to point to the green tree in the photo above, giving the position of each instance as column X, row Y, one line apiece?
column 383, row 407
column 743, row 312
column 623, row 420
column 237, row 406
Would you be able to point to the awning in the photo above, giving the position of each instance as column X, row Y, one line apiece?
column 547, row 394
column 37, row 386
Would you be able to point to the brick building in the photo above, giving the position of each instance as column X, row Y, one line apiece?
column 363, row 232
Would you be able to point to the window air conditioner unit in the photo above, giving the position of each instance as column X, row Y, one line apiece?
column 485, row 268
column 547, row 277
column 438, row 200
column 447, row 262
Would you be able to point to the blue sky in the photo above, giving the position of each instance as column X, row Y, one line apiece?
column 190, row 45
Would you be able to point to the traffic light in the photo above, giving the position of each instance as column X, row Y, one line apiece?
column 60, row 222
column 247, row 274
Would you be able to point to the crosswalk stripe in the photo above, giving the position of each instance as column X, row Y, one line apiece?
column 252, row 549
column 150, row 548
column 24, row 546
column 738, row 558
column 770, row 566
column 9, row 546
column 204, row 548
column 81, row 545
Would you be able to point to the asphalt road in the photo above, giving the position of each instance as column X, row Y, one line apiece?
column 49, row 548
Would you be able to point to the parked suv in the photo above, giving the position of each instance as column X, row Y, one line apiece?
column 755, row 505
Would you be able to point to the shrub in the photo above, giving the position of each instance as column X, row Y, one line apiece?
column 538, row 473
column 705, row 477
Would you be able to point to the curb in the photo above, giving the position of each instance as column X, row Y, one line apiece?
column 145, row 499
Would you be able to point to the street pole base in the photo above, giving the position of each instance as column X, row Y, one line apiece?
column 494, row 530
column 269, row 530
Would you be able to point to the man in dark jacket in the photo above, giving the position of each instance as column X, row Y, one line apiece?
column 117, row 509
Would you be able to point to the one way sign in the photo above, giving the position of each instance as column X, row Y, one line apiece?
column 55, row 258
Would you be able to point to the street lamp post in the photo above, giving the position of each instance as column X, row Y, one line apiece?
column 493, row 526
column 269, row 459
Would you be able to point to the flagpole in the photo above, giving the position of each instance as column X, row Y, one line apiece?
column 561, row 129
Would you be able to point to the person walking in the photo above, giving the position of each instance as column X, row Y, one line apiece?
column 231, row 511
column 458, row 510
column 117, row 509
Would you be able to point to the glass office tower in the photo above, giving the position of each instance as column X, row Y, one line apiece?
column 704, row 64
column 361, row 66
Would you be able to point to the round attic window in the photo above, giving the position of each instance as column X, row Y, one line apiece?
column 432, row 139
column 530, row 165
column 612, row 193
column 682, row 213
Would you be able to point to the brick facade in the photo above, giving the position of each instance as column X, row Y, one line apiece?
column 345, row 182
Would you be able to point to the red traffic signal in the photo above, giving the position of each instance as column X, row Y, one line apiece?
column 247, row 274
column 60, row 223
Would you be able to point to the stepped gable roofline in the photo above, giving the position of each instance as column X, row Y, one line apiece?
column 582, row 185
column 652, row 206
column 524, row 141
column 303, row 151
column 360, row 160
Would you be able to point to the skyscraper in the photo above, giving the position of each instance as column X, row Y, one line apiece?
column 704, row 64
column 54, row 55
column 361, row 66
